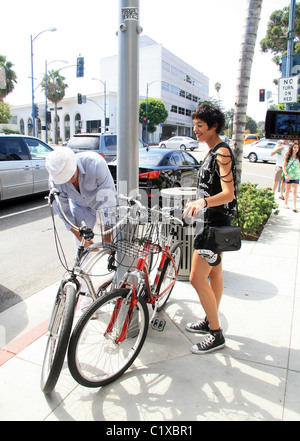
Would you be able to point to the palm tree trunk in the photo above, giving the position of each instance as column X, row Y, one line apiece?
column 243, row 81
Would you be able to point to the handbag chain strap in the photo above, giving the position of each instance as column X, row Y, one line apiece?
column 223, row 144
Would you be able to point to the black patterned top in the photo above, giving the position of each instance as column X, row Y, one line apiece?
column 209, row 182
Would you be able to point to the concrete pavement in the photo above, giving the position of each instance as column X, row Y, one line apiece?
column 256, row 377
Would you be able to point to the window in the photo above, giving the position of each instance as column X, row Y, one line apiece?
column 176, row 159
column 174, row 109
column 182, row 93
column 188, row 159
column 174, row 90
column 110, row 142
column 181, row 111
column 189, row 96
column 188, row 112
column 37, row 148
column 78, row 123
column 181, row 75
column 174, row 71
column 13, row 149
column 189, row 79
column 166, row 66
column 67, row 126
column 165, row 86
column 22, row 126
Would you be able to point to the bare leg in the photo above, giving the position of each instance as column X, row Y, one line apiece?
column 209, row 292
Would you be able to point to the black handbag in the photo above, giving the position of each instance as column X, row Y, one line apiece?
column 219, row 239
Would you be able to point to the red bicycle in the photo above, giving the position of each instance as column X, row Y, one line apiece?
column 101, row 350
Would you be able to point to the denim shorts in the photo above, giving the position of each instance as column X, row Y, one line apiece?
column 292, row 181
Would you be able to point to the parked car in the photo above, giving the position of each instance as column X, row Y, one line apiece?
column 159, row 169
column 250, row 138
column 179, row 142
column 104, row 144
column 260, row 151
column 22, row 166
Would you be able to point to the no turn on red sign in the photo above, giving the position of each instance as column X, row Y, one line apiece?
column 288, row 90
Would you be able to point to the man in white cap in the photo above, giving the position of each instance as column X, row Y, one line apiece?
column 85, row 183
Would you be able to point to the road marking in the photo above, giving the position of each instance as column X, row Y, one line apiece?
column 22, row 212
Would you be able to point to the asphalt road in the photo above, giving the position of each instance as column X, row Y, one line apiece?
column 29, row 260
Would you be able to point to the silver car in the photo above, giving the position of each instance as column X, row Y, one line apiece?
column 22, row 166
column 179, row 142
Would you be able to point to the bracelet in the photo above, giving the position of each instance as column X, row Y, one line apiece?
column 205, row 203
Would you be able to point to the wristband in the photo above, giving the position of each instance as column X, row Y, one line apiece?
column 205, row 203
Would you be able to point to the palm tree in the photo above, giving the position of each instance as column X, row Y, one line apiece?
column 11, row 77
column 218, row 87
column 55, row 93
column 244, row 74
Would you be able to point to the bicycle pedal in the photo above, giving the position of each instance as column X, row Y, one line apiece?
column 158, row 324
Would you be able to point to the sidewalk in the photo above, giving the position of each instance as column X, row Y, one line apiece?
column 256, row 376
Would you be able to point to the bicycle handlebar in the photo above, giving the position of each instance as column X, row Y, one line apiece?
column 87, row 233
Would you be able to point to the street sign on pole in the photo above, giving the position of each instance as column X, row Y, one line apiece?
column 288, row 90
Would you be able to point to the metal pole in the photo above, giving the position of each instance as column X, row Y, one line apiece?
column 128, row 106
column 32, row 87
column 104, row 106
column 290, row 48
column 46, row 102
column 147, row 114
column 128, row 98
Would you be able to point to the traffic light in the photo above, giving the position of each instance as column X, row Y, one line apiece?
column 79, row 98
column 36, row 111
column 48, row 116
column 80, row 67
column 262, row 95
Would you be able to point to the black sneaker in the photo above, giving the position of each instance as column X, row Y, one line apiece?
column 212, row 342
column 201, row 327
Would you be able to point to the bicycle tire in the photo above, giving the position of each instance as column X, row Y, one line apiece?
column 167, row 274
column 94, row 357
column 58, row 338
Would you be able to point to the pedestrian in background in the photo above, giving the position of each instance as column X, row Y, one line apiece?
column 291, row 169
column 217, row 181
column 280, row 150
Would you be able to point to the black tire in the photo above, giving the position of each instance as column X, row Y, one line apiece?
column 58, row 338
column 167, row 275
column 95, row 357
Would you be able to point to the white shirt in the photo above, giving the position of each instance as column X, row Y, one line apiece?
column 97, row 189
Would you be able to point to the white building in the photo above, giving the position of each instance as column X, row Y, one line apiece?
column 164, row 75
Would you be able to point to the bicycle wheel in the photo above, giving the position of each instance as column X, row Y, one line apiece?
column 168, row 275
column 95, row 355
column 58, row 339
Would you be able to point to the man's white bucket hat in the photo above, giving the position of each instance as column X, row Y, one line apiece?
column 61, row 165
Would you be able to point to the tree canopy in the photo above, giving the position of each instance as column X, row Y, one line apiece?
column 55, row 86
column 157, row 113
column 11, row 77
column 276, row 38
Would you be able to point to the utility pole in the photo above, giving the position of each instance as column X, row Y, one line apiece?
column 290, row 47
column 128, row 104
column 128, row 97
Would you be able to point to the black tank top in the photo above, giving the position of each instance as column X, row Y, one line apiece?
column 209, row 184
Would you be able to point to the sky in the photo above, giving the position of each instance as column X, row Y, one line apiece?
column 206, row 34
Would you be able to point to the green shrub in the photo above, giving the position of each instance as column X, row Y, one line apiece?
column 255, row 206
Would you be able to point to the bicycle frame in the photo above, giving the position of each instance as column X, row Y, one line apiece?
column 143, row 284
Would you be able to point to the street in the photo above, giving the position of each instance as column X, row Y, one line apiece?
column 29, row 259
